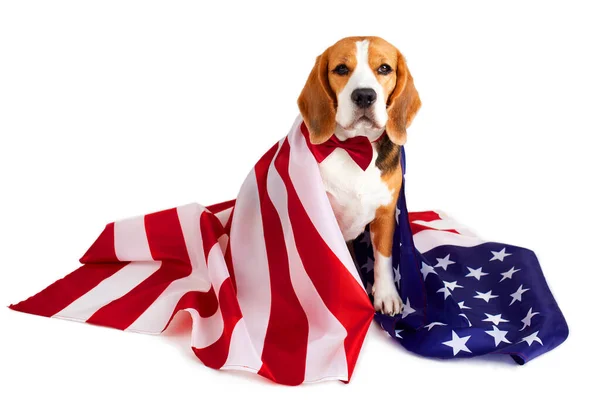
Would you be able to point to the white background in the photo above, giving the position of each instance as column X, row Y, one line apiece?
column 117, row 108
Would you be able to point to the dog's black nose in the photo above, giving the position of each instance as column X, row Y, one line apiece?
column 363, row 98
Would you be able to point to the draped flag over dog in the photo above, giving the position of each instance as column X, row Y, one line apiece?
column 272, row 288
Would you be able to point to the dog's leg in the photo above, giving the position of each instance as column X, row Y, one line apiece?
column 386, row 297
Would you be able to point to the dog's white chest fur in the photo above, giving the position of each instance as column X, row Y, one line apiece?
column 354, row 194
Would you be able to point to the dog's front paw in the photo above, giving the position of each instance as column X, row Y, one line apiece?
column 387, row 300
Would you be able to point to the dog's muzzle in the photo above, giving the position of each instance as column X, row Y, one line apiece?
column 363, row 98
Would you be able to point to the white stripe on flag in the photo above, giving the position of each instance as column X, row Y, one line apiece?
column 115, row 286
column 326, row 334
column 156, row 316
column 131, row 242
column 445, row 223
column 189, row 219
column 251, row 268
column 223, row 215
column 242, row 350
column 429, row 239
column 217, row 267
column 205, row 331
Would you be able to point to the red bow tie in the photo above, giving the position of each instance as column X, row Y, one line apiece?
column 358, row 148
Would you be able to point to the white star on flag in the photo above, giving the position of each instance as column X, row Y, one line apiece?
column 508, row 274
column 476, row 273
column 444, row 262
column 397, row 276
column 397, row 214
column 517, row 295
column 495, row 319
column 498, row 335
column 467, row 318
column 458, row 344
column 499, row 255
column 448, row 286
column 431, row 325
column 407, row 309
column 446, row 292
column 426, row 270
column 452, row 285
column 532, row 338
column 485, row 296
column 462, row 306
column 398, row 331
column 527, row 320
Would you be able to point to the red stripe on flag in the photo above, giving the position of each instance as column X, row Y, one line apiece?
column 284, row 352
column 103, row 249
column 100, row 263
column 228, row 257
column 416, row 228
column 211, row 230
column 427, row 216
column 165, row 237
column 68, row 289
column 205, row 303
column 340, row 292
column 215, row 208
column 167, row 244
column 216, row 354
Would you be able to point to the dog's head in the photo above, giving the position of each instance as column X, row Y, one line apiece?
column 359, row 86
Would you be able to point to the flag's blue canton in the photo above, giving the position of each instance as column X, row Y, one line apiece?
column 466, row 301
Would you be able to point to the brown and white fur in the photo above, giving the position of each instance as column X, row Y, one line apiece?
column 331, row 105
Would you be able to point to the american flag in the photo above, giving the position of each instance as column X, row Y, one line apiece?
column 272, row 289
column 267, row 278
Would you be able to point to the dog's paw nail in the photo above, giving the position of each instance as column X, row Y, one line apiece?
column 387, row 301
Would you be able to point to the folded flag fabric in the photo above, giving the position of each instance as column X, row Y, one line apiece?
column 272, row 289
column 267, row 278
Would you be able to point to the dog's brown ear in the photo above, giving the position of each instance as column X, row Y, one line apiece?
column 317, row 102
column 403, row 104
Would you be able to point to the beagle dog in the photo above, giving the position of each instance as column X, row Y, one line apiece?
column 361, row 86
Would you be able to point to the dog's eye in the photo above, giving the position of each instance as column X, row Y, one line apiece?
column 341, row 69
column 384, row 69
